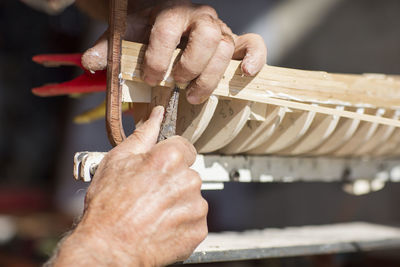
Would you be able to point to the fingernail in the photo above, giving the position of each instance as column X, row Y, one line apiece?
column 157, row 113
column 192, row 98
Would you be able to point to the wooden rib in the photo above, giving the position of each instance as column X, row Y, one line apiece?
column 290, row 87
column 364, row 132
column 255, row 133
column 293, row 127
column 229, row 118
column 194, row 119
column 380, row 137
column 344, row 131
column 391, row 146
column 320, row 130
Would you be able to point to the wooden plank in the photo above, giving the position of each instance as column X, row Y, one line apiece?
column 363, row 134
column 293, row 127
column 320, row 130
column 291, row 88
column 343, row 132
column 228, row 120
column 295, row 241
column 194, row 119
column 380, row 137
column 255, row 133
column 391, row 146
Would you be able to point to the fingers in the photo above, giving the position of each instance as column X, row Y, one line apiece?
column 164, row 38
column 172, row 153
column 200, row 89
column 95, row 58
column 251, row 48
column 204, row 38
column 144, row 137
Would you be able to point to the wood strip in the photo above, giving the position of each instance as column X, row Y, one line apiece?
column 293, row 127
column 380, row 137
column 391, row 146
column 290, row 87
column 364, row 132
column 228, row 120
column 344, row 131
column 194, row 119
column 320, row 130
column 255, row 133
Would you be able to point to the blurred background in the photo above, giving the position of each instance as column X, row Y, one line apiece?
column 39, row 198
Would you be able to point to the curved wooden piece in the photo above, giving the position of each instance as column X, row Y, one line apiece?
column 345, row 129
column 117, row 23
column 321, row 129
column 364, row 132
column 194, row 119
column 391, row 146
column 293, row 127
column 380, row 137
column 287, row 84
column 255, row 133
column 229, row 118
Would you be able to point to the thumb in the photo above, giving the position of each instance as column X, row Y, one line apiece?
column 145, row 136
column 95, row 58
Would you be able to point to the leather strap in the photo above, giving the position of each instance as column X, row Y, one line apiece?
column 117, row 25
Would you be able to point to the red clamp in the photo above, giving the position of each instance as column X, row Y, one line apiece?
column 88, row 82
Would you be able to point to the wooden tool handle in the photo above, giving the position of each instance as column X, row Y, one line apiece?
column 117, row 24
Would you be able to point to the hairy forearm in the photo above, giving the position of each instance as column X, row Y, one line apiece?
column 84, row 248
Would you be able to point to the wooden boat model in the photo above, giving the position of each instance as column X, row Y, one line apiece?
column 281, row 111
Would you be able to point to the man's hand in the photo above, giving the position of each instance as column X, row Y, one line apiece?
column 208, row 46
column 143, row 207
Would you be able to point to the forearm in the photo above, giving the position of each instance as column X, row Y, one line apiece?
column 83, row 248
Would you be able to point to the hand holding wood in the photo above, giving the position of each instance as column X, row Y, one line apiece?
column 143, row 207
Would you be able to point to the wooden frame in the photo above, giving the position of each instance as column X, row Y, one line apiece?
column 282, row 111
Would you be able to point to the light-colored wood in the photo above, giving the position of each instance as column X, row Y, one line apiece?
column 380, row 137
column 258, row 111
column 391, row 146
column 255, row 133
column 194, row 119
column 344, row 131
column 293, row 127
column 363, row 134
column 320, row 130
column 281, row 111
column 136, row 92
column 229, row 118
column 290, row 88
column 308, row 86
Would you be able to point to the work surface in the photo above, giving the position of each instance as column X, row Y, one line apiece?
column 296, row 241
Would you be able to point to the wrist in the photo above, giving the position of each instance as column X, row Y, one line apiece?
column 86, row 247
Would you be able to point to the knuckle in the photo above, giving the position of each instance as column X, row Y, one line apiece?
column 203, row 210
column 204, row 85
column 174, row 155
column 194, row 183
column 187, row 67
column 227, row 43
column 202, row 232
column 154, row 66
column 206, row 9
column 209, row 29
column 167, row 34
